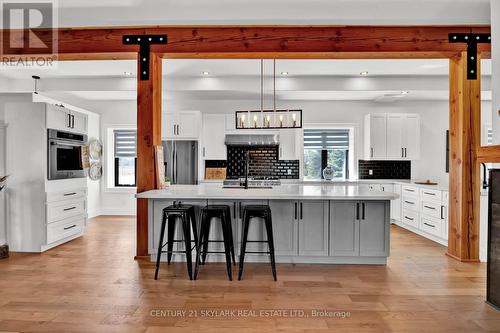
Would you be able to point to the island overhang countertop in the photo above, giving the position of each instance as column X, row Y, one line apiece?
column 281, row 192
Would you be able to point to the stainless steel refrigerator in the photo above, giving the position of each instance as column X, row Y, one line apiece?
column 181, row 161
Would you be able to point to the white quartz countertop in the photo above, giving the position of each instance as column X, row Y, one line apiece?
column 282, row 192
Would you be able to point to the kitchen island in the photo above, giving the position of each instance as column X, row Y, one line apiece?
column 311, row 223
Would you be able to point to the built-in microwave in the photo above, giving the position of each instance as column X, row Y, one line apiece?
column 65, row 154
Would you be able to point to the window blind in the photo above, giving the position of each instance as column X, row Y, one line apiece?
column 326, row 139
column 125, row 143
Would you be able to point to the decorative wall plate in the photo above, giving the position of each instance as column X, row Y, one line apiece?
column 95, row 171
column 95, row 149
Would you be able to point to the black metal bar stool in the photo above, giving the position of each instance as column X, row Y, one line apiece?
column 223, row 212
column 263, row 212
column 172, row 214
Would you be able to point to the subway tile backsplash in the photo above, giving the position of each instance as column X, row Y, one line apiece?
column 384, row 169
column 263, row 162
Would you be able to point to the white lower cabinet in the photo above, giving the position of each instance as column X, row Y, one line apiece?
column 359, row 228
column 425, row 211
column 65, row 228
column 66, row 215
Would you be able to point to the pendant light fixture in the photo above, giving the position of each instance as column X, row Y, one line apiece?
column 268, row 119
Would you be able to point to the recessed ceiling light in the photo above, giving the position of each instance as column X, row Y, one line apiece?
column 405, row 92
column 363, row 73
column 284, row 73
column 205, row 73
column 127, row 73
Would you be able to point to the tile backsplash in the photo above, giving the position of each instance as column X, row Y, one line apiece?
column 384, row 169
column 263, row 162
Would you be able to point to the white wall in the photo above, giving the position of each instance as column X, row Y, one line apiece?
column 94, row 186
column 115, row 114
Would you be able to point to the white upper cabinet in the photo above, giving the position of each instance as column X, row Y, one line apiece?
column 230, row 122
column 411, row 136
column 375, row 136
column 181, row 125
column 395, row 150
column 214, row 129
column 288, row 144
column 64, row 119
column 392, row 136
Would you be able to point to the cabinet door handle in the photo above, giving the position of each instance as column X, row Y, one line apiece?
column 68, row 194
column 70, row 208
column 409, row 218
column 301, row 211
column 362, row 210
column 281, row 152
column 68, row 120
column 357, row 210
column 429, row 193
column 406, row 153
column 72, row 121
column 295, row 215
column 428, row 207
column 429, row 225
column 203, row 151
column 234, row 210
column 70, row 227
column 178, row 129
column 240, row 210
column 402, row 152
column 442, row 214
column 371, row 151
column 409, row 202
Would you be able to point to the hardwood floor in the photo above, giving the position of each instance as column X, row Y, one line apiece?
column 92, row 284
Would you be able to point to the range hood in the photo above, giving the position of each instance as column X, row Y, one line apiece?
column 252, row 140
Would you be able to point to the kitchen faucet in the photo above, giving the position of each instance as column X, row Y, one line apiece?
column 247, row 162
column 485, row 182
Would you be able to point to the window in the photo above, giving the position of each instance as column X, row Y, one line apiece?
column 326, row 147
column 125, row 157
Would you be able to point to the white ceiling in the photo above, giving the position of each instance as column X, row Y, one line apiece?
column 78, row 13
column 239, row 79
column 243, row 67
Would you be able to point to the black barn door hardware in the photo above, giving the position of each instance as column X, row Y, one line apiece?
column 144, row 42
column 471, row 40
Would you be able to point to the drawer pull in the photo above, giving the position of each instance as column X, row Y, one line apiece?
column 408, row 190
column 409, row 218
column 429, row 225
column 70, row 227
column 70, row 208
column 409, row 202
column 428, row 207
column 428, row 193
column 68, row 194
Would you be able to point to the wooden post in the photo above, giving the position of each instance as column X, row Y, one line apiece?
column 465, row 120
column 149, row 99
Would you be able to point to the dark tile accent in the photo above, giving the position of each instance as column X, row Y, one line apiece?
column 384, row 169
column 215, row 163
column 263, row 162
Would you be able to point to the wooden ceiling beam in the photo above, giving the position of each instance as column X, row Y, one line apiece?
column 283, row 41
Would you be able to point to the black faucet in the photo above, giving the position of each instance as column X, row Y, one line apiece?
column 485, row 182
column 247, row 162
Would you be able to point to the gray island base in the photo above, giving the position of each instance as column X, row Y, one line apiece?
column 328, row 224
